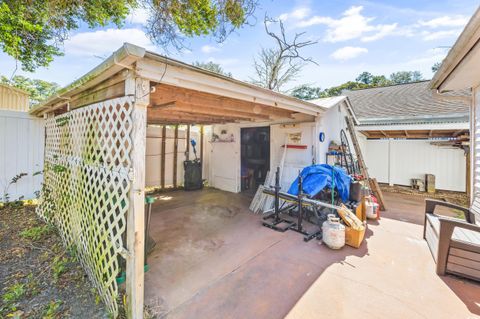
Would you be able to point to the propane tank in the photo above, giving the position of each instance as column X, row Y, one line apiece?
column 333, row 232
column 371, row 209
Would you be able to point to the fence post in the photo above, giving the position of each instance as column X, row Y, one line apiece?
column 140, row 88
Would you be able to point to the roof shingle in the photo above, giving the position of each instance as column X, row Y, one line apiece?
column 412, row 101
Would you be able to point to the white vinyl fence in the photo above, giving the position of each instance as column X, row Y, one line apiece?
column 21, row 151
column 398, row 161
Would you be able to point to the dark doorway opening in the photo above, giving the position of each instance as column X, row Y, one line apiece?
column 255, row 156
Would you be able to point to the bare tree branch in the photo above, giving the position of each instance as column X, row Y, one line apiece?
column 274, row 67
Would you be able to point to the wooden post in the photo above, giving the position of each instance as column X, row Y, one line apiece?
column 175, row 151
column 162, row 156
column 187, row 152
column 139, row 88
column 467, row 177
column 201, row 144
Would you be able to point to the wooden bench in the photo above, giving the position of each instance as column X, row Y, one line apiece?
column 453, row 242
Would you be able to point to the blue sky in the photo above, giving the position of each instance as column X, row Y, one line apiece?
column 353, row 36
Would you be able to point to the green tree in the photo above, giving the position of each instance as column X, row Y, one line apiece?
column 365, row 78
column 307, row 92
column 33, row 32
column 213, row 67
column 347, row 86
column 38, row 90
column 436, row 66
column 380, row 80
column 402, row 77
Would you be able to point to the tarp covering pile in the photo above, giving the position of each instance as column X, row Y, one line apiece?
column 316, row 177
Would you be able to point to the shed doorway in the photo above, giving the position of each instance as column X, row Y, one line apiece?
column 255, row 156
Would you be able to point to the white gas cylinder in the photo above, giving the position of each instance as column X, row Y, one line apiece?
column 333, row 232
column 371, row 209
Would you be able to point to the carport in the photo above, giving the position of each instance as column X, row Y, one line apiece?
column 94, row 176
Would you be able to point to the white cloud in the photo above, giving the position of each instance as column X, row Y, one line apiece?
column 138, row 16
column 298, row 13
column 104, row 42
column 351, row 25
column 429, row 36
column 347, row 53
column 209, row 49
column 445, row 21
column 383, row 31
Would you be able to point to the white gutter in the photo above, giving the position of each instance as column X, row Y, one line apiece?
column 465, row 42
column 120, row 59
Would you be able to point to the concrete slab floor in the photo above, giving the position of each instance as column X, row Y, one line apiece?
column 213, row 259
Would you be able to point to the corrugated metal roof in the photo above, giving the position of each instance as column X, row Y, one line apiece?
column 412, row 102
column 328, row 102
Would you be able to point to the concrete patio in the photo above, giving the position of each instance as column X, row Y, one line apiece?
column 213, row 259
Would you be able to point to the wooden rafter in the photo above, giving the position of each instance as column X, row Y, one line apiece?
column 165, row 93
column 178, row 106
column 190, row 118
column 416, row 134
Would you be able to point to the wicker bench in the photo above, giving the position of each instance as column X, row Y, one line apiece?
column 454, row 243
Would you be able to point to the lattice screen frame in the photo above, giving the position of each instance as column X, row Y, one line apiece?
column 87, row 186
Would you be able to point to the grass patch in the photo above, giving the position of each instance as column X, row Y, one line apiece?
column 14, row 293
column 36, row 233
column 51, row 310
column 59, row 266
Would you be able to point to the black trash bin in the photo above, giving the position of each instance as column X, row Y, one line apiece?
column 193, row 175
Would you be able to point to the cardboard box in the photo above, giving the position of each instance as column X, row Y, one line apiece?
column 354, row 237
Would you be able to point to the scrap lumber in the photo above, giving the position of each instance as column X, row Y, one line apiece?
column 363, row 167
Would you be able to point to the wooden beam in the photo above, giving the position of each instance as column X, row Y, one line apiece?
column 191, row 97
column 162, row 163
column 201, row 145
column 384, row 134
column 139, row 88
column 187, row 151
column 186, row 118
column 176, row 113
column 175, row 155
column 111, row 88
column 430, row 133
column 204, row 109
column 182, row 122
column 455, row 134
column 467, row 173
column 406, row 133
column 366, row 133
column 165, row 105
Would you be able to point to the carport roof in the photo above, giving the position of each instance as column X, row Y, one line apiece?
column 411, row 103
column 160, row 69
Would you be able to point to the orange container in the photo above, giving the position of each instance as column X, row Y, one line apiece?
column 354, row 237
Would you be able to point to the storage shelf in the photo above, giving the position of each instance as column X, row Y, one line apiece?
column 296, row 146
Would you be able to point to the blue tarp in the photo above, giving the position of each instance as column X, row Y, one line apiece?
column 317, row 177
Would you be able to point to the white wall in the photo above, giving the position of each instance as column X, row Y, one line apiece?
column 224, row 166
column 21, row 151
column 153, row 162
column 295, row 159
column 398, row 161
column 225, row 157
column 332, row 122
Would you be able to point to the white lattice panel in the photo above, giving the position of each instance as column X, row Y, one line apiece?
column 86, row 191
